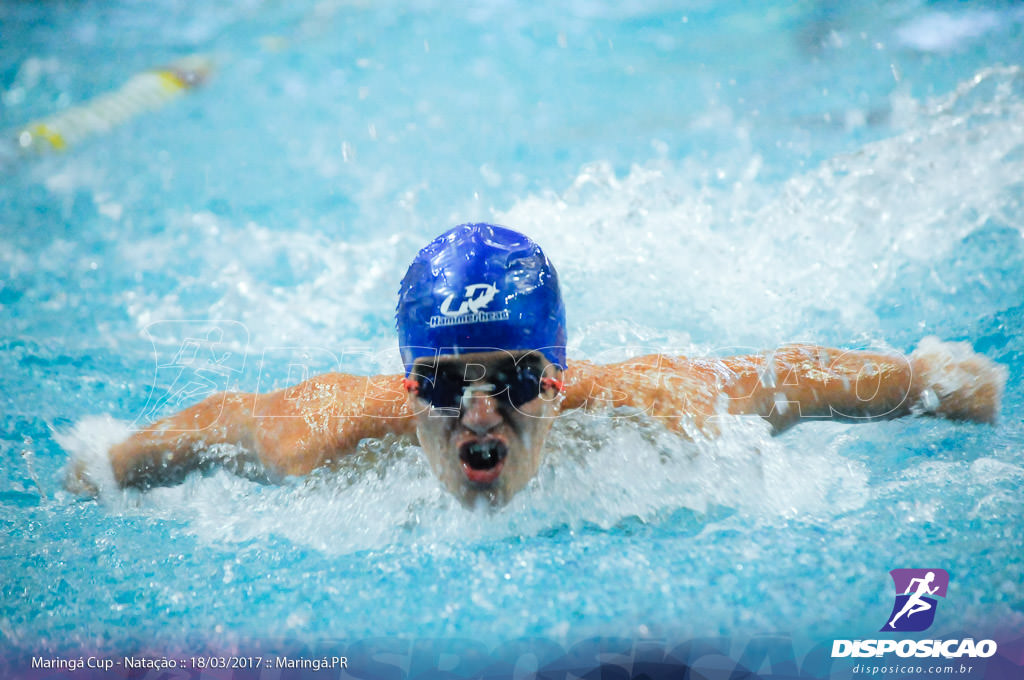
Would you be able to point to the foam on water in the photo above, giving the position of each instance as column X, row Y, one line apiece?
column 87, row 444
column 942, row 31
column 698, row 250
column 710, row 249
column 602, row 469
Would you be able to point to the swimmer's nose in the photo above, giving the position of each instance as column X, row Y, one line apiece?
column 480, row 412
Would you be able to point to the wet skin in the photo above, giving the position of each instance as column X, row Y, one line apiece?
column 486, row 450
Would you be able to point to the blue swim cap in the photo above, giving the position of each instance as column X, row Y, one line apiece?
column 479, row 287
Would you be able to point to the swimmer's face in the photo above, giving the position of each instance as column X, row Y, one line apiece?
column 484, row 440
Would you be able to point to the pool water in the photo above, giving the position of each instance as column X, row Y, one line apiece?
column 708, row 179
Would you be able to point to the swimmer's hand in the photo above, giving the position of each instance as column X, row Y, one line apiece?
column 78, row 481
column 951, row 381
column 88, row 471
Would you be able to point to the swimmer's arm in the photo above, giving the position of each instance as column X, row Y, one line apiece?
column 800, row 382
column 795, row 382
column 674, row 390
column 288, row 432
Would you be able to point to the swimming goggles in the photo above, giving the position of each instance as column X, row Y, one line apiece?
column 513, row 383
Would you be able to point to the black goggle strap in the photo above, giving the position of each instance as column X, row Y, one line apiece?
column 545, row 383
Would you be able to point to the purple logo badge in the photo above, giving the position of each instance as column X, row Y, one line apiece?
column 916, row 589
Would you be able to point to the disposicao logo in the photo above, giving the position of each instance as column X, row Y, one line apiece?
column 914, row 609
column 912, row 612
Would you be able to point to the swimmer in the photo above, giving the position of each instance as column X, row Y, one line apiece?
column 481, row 327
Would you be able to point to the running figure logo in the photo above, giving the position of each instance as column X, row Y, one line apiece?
column 914, row 609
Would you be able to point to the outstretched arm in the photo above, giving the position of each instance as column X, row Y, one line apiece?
column 799, row 382
column 287, row 432
column 796, row 382
column 803, row 381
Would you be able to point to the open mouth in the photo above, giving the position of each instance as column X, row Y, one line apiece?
column 483, row 459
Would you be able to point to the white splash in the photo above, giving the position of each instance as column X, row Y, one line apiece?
column 88, row 468
column 942, row 31
column 669, row 249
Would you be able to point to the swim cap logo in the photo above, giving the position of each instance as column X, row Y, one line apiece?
column 477, row 296
column 914, row 609
column 474, row 299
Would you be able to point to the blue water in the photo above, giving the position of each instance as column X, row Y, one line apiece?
column 708, row 178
